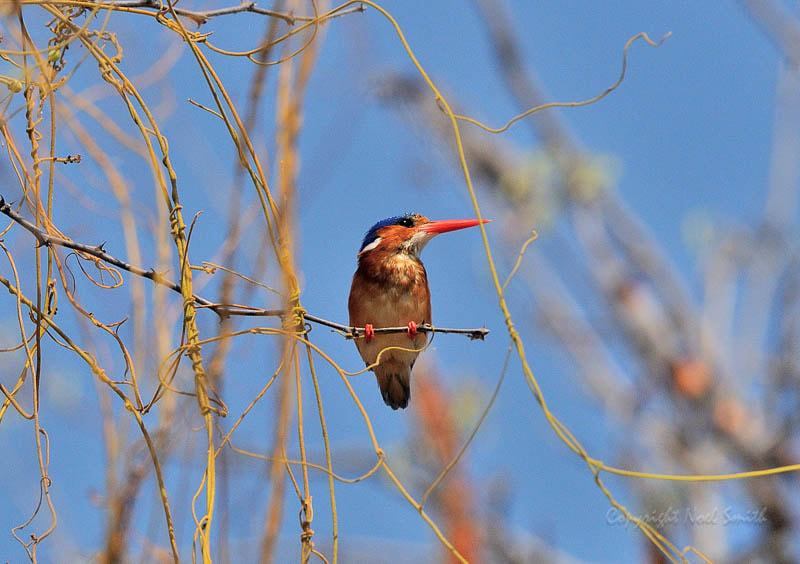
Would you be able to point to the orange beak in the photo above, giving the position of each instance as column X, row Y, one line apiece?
column 445, row 225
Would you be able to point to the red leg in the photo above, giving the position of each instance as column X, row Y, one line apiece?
column 369, row 332
column 412, row 329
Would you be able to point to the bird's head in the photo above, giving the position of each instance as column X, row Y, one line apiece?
column 408, row 233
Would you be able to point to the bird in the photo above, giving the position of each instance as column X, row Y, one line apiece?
column 390, row 289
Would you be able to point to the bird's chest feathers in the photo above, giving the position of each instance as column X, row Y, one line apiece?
column 394, row 290
column 403, row 272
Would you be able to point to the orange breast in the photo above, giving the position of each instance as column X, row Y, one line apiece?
column 399, row 295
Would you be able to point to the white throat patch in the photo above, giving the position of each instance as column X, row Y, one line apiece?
column 372, row 245
column 415, row 245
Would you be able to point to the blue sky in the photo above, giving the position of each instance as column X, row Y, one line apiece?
column 688, row 132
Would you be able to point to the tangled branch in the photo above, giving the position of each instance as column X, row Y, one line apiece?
column 202, row 17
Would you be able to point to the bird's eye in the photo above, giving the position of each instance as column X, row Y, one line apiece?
column 406, row 222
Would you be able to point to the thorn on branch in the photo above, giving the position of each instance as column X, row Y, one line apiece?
column 222, row 310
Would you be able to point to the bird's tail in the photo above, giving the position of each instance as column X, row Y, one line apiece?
column 395, row 387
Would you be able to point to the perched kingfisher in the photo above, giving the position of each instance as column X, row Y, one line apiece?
column 390, row 289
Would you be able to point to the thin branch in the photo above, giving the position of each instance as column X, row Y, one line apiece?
column 223, row 310
column 202, row 17
column 353, row 332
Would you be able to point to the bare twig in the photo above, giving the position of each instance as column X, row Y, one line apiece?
column 223, row 310
column 202, row 17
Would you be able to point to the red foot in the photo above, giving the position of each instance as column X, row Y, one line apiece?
column 412, row 329
column 369, row 332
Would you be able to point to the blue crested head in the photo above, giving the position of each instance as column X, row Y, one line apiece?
column 406, row 220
